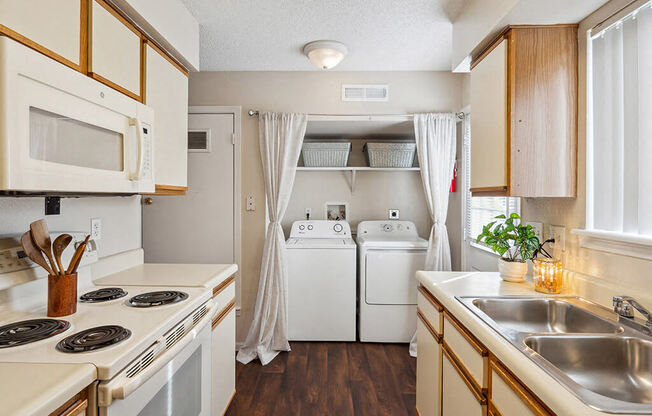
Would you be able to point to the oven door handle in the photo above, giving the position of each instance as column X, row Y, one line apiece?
column 122, row 386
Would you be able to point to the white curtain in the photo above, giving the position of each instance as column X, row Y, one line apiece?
column 620, row 128
column 436, row 145
column 280, row 137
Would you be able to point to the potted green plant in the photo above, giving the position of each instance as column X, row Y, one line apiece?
column 514, row 242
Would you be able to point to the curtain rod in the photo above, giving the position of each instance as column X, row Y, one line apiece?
column 459, row 115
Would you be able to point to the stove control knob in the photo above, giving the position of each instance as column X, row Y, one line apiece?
column 338, row 228
column 302, row 227
column 310, row 227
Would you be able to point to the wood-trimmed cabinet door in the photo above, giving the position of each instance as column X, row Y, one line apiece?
column 428, row 369
column 459, row 397
column 489, row 135
column 116, row 53
column 223, row 359
column 53, row 28
column 166, row 91
column 507, row 397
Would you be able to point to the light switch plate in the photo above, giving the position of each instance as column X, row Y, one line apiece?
column 96, row 229
column 251, row 203
column 558, row 232
column 538, row 229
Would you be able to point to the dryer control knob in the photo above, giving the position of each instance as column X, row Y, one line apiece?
column 310, row 227
column 302, row 227
column 338, row 228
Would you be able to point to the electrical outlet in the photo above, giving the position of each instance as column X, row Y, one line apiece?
column 558, row 232
column 394, row 214
column 538, row 229
column 251, row 203
column 308, row 213
column 96, row 229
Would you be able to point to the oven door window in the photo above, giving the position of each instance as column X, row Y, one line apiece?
column 182, row 393
column 59, row 139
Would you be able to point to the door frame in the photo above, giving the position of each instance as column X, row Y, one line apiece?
column 236, row 111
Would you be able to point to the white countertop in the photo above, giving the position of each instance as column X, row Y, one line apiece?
column 446, row 285
column 39, row 389
column 159, row 274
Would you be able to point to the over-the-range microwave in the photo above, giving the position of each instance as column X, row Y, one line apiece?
column 61, row 131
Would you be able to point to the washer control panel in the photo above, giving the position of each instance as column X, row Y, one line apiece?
column 320, row 229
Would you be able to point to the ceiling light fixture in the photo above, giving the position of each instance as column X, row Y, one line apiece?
column 325, row 54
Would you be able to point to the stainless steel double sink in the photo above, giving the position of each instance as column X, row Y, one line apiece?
column 602, row 359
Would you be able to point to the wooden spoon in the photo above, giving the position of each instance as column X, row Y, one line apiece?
column 33, row 252
column 59, row 245
column 76, row 258
column 41, row 237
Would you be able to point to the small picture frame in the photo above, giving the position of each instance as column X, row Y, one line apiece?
column 336, row 211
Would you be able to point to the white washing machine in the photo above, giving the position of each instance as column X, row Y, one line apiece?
column 321, row 258
column 389, row 255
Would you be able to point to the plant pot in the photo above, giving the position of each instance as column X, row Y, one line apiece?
column 512, row 271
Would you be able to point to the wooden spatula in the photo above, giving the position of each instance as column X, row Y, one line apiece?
column 41, row 237
column 59, row 245
column 76, row 258
column 33, row 252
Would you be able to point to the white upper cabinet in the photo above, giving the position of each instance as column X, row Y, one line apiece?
column 166, row 91
column 51, row 27
column 489, row 121
column 115, row 53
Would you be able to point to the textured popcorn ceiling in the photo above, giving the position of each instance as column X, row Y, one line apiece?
column 268, row 35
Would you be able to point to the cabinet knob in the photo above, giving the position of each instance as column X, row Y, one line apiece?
column 148, row 201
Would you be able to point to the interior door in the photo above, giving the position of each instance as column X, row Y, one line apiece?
column 197, row 227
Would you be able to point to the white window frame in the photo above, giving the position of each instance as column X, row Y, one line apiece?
column 633, row 245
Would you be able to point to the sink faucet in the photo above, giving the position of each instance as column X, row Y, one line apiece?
column 623, row 307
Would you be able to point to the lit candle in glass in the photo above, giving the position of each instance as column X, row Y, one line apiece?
column 547, row 275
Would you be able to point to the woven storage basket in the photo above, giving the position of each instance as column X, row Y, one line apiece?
column 390, row 155
column 326, row 154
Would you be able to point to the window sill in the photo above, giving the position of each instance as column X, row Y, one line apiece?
column 632, row 245
column 482, row 247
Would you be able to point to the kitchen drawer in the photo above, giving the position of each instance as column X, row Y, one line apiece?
column 459, row 396
column 224, row 292
column 508, row 397
column 431, row 309
column 473, row 356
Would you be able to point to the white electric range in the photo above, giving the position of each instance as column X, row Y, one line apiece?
column 152, row 352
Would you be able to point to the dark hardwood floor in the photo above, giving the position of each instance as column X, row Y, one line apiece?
column 329, row 378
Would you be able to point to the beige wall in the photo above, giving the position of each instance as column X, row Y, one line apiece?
column 121, row 219
column 624, row 270
column 311, row 92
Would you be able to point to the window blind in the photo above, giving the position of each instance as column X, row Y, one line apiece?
column 619, row 125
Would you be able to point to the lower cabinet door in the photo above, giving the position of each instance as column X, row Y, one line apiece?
column 508, row 397
column 223, row 363
column 428, row 371
column 458, row 395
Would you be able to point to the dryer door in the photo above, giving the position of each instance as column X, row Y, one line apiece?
column 390, row 276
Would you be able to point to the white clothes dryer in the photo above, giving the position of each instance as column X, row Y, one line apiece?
column 389, row 255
